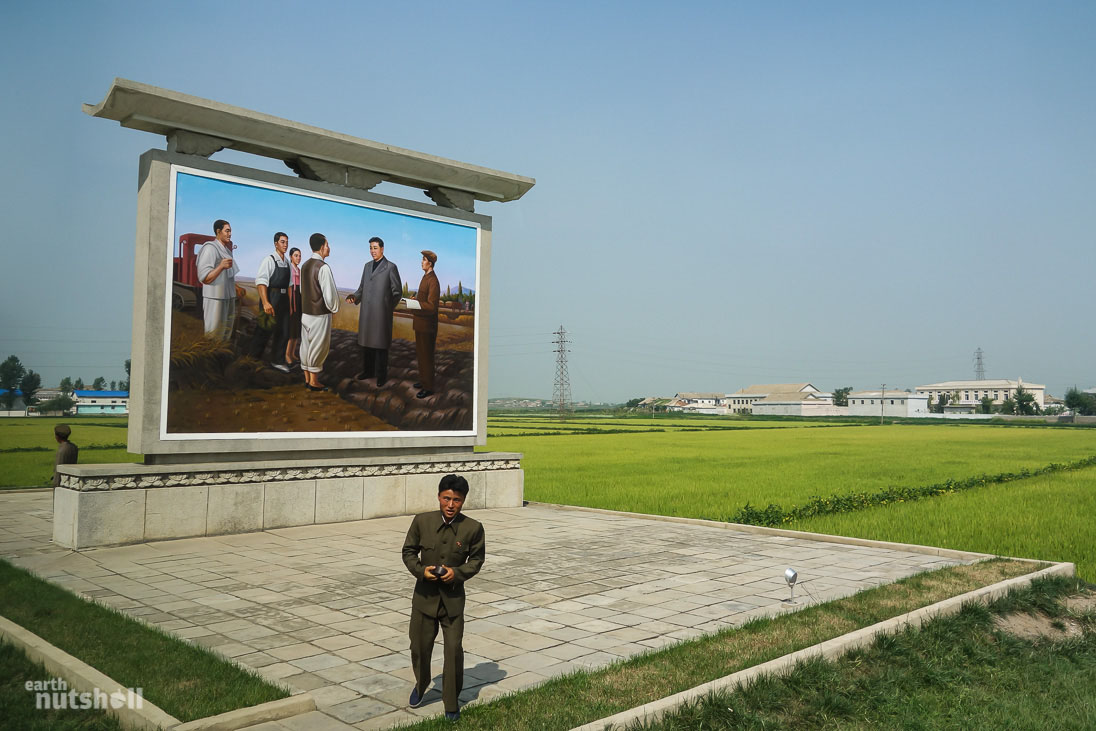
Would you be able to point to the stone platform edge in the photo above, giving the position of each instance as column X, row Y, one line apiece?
column 127, row 476
column 256, row 498
column 83, row 678
column 828, row 650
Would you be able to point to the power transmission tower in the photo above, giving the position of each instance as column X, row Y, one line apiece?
column 561, row 394
column 979, row 366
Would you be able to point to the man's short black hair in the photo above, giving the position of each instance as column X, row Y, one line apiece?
column 279, row 235
column 218, row 225
column 316, row 241
column 379, row 240
column 456, row 483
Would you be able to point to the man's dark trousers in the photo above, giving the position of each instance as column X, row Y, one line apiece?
column 375, row 363
column 423, row 632
column 280, row 330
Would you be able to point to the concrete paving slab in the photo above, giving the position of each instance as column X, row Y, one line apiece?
column 324, row 608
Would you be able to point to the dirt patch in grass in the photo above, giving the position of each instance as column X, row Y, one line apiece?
column 1081, row 603
column 1038, row 626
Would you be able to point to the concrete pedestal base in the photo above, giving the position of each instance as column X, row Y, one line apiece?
column 106, row 505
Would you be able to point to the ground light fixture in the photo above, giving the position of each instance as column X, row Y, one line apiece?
column 791, row 576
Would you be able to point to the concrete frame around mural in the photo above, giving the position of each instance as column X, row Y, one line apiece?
column 150, row 292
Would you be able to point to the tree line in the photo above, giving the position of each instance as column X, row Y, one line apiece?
column 14, row 376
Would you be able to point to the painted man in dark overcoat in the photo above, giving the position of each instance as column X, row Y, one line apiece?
column 442, row 550
column 425, row 323
column 379, row 293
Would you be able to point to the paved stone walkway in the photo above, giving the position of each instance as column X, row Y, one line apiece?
column 324, row 608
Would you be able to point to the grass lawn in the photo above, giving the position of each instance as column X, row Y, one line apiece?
column 572, row 700
column 27, row 446
column 711, row 474
column 187, row 682
column 956, row 672
column 18, row 703
column 1048, row 517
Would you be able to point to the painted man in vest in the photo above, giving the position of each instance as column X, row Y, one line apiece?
column 217, row 273
column 319, row 300
column 272, row 281
column 425, row 323
column 442, row 550
column 379, row 293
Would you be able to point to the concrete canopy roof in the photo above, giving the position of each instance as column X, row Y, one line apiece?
column 166, row 112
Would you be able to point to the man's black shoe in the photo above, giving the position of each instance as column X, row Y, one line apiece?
column 416, row 385
column 424, row 393
column 362, row 376
column 452, row 715
column 416, row 698
column 316, row 388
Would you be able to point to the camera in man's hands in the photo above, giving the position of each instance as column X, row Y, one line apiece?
column 438, row 571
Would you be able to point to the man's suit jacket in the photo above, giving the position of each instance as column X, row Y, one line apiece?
column 378, row 293
column 428, row 295
column 460, row 546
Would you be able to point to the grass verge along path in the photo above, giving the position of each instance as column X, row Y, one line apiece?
column 956, row 672
column 187, row 682
column 572, row 700
column 17, row 704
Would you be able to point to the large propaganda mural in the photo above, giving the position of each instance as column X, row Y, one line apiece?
column 267, row 336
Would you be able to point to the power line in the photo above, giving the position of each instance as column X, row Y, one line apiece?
column 561, row 392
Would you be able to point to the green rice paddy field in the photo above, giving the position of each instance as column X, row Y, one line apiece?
column 712, row 473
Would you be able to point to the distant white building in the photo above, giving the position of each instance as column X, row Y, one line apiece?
column 894, row 403
column 101, row 402
column 743, row 400
column 971, row 393
column 690, row 402
column 800, row 403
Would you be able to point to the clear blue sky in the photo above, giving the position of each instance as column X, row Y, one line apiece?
column 727, row 193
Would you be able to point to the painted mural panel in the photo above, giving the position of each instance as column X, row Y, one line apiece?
column 366, row 335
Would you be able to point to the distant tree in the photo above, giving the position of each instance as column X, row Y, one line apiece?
column 1080, row 402
column 1008, row 406
column 114, row 385
column 125, row 384
column 406, row 290
column 66, row 385
column 632, row 403
column 987, row 404
column 11, row 373
column 1054, row 410
column 99, row 384
column 61, row 403
column 937, row 407
column 79, row 385
column 841, row 396
column 1025, row 402
column 29, row 386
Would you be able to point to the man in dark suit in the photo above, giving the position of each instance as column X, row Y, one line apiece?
column 379, row 293
column 443, row 549
column 425, row 323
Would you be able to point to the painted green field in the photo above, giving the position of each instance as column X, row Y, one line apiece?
column 27, row 446
column 711, row 474
column 1047, row 517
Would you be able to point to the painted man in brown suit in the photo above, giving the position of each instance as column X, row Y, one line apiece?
column 426, row 323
